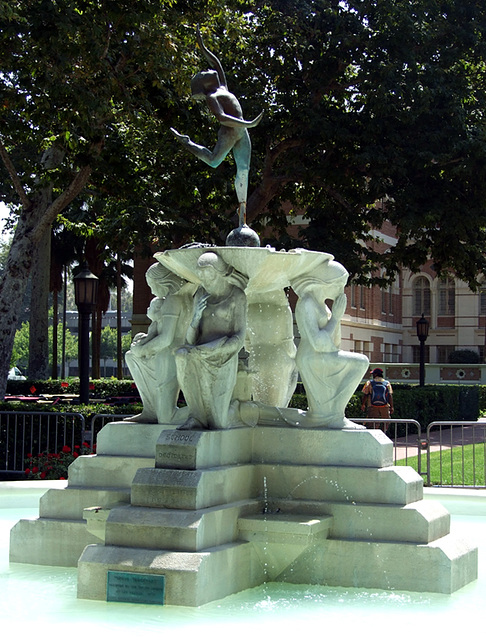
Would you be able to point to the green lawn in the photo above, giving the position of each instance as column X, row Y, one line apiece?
column 467, row 464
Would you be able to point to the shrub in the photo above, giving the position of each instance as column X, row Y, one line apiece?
column 464, row 356
column 54, row 466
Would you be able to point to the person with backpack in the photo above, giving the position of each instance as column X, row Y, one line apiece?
column 377, row 396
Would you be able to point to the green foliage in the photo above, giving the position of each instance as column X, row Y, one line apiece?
column 464, row 356
column 20, row 352
column 103, row 388
column 370, row 102
column 436, row 402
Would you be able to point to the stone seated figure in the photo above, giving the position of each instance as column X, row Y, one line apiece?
column 207, row 361
column 150, row 358
column 330, row 375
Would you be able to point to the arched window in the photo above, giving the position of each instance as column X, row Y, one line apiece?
column 421, row 296
column 447, row 297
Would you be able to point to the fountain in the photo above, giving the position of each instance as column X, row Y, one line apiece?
column 185, row 506
column 49, row 593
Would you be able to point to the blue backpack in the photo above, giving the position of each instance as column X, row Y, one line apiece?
column 380, row 395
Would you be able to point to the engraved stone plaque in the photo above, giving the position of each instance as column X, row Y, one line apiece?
column 139, row 588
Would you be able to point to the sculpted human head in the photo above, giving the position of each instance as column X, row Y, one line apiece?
column 211, row 267
column 162, row 281
column 203, row 82
column 326, row 282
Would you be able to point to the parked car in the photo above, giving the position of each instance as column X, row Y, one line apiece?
column 15, row 374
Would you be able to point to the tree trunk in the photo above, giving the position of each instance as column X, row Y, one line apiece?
column 64, row 304
column 55, row 310
column 36, row 215
column 119, row 354
column 13, row 284
column 39, row 310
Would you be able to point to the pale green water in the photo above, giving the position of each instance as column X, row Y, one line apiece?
column 40, row 602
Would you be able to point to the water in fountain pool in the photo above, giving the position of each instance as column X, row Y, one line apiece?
column 41, row 601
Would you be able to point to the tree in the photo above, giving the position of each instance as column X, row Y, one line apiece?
column 76, row 78
column 365, row 103
column 374, row 102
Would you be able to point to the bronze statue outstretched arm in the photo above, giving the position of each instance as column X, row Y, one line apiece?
column 212, row 59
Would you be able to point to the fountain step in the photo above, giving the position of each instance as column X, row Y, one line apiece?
column 202, row 449
column 191, row 579
column 125, row 438
column 419, row 522
column 180, row 489
column 51, row 542
column 320, row 446
column 69, row 503
column 442, row 566
column 389, row 485
column 106, row 471
column 270, row 444
column 176, row 529
column 198, row 489
column 284, row 528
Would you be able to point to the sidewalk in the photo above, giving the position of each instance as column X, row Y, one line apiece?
column 444, row 438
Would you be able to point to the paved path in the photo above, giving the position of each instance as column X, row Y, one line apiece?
column 445, row 438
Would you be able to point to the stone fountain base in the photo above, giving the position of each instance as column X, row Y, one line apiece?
column 222, row 511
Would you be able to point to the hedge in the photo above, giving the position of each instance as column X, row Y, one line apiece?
column 424, row 404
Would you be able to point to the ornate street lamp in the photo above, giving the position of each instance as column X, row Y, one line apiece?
column 86, row 297
column 422, row 335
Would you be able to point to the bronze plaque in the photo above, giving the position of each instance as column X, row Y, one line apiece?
column 139, row 588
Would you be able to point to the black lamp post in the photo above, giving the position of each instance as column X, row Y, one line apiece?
column 422, row 335
column 86, row 296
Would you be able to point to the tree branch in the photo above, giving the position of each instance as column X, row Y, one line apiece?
column 26, row 203
column 67, row 196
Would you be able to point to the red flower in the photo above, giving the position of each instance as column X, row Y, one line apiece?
column 75, row 454
column 29, row 455
column 27, row 471
column 64, row 385
column 66, row 449
column 43, row 475
column 91, row 387
column 32, row 389
column 76, row 446
column 35, row 469
column 62, row 478
column 85, row 444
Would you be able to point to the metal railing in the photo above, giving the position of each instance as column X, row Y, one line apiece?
column 460, row 446
column 98, row 422
column 406, row 435
column 461, row 449
column 34, row 432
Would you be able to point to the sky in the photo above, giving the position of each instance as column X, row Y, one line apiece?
column 3, row 216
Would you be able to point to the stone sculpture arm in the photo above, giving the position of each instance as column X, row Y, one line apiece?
column 162, row 340
column 227, row 344
column 321, row 331
column 334, row 325
column 199, row 306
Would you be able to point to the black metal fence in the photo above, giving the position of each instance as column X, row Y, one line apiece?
column 445, row 454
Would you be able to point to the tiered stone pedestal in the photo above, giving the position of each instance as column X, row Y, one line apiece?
column 222, row 511
column 59, row 535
